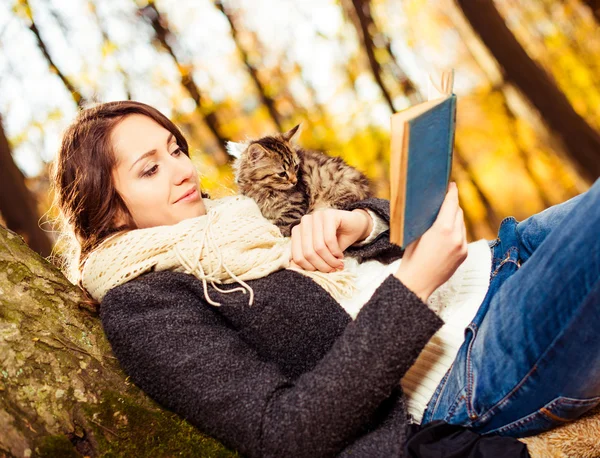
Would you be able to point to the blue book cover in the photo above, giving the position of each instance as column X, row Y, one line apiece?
column 422, row 143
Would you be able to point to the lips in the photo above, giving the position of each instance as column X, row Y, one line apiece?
column 192, row 194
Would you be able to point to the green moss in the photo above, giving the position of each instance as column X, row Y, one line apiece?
column 55, row 446
column 42, row 299
column 17, row 272
column 148, row 432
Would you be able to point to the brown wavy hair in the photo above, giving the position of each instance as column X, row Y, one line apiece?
column 82, row 179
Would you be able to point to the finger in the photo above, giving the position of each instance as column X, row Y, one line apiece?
column 308, row 243
column 324, row 235
column 297, row 253
column 459, row 226
column 447, row 213
column 459, row 222
column 330, row 228
column 464, row 227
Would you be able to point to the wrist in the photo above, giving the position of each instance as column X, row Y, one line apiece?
column 420, row 290
column 368, row 228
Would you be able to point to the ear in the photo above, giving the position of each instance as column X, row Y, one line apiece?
column 290, row 133
column 255, row 152
column 236, row 149
column 121, row 219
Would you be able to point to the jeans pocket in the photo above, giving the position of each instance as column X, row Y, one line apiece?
column 558, row 412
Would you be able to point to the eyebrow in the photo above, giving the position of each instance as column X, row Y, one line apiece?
column 150, row 153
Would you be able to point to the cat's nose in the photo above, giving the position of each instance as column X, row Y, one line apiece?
column 293, row 179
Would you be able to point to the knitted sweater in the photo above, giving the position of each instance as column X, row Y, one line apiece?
column 291, row 375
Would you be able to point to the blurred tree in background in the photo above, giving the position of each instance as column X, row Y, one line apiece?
column 528, row 117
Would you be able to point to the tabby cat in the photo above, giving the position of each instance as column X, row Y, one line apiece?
column 287, row 181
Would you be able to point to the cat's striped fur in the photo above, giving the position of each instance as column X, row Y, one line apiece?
column 287, row 181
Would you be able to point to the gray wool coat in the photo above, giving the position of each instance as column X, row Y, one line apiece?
column 291, row 375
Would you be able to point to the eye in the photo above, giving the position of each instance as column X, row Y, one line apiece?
column 151, row 171
column 282, row 174
column 177, row 152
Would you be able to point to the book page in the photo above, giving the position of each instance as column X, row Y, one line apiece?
column 443, row 88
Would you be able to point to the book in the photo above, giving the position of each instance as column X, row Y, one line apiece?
column 422, row 143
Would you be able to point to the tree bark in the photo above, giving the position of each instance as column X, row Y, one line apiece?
column 580, row 140
column 62, row 393
column 163, row 36
column 17, row 205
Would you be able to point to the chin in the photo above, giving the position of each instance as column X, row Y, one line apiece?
column 190, row 213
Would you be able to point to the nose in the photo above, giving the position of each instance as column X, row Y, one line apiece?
column 182, row 170
column 293, row 179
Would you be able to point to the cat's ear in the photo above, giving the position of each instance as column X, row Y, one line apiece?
column 255, row 152
column 290, row 133
column 236, row 149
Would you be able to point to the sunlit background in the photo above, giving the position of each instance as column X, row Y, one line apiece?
column 526, row 74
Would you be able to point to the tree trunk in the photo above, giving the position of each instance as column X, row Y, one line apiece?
column 524, row 155
column 594, row 6
column 75, row 94
column 106, row 41
column 492, row 217
column 163, row 36
column 359, row 12
column 62, row 393
column 580, row 140
column 252, row 70
column 17, row 205
column 360, row 16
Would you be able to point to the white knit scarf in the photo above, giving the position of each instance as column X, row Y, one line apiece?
column 233, row 242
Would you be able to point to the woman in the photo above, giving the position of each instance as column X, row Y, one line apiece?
column 286, row 371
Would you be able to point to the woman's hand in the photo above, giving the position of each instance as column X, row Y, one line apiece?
column 319, row 241
column 431, row 260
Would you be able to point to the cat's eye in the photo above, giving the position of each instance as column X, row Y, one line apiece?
column 282, row 174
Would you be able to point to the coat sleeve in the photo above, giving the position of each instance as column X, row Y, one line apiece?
column 380, row 248
column 182, row 353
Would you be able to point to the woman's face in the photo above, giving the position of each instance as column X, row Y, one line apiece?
column 153, row 176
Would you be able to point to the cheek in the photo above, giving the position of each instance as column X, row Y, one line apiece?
column 145, row 198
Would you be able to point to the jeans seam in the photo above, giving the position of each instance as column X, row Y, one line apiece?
column 550, row 415
column 492, row 410
column 515, row 424
column 470, row 411
column 454, row 406
column 532, row 416
column 439, row 390
column 506, row 260
column 512, row 218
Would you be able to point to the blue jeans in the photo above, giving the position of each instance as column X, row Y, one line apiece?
column 531, row 356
